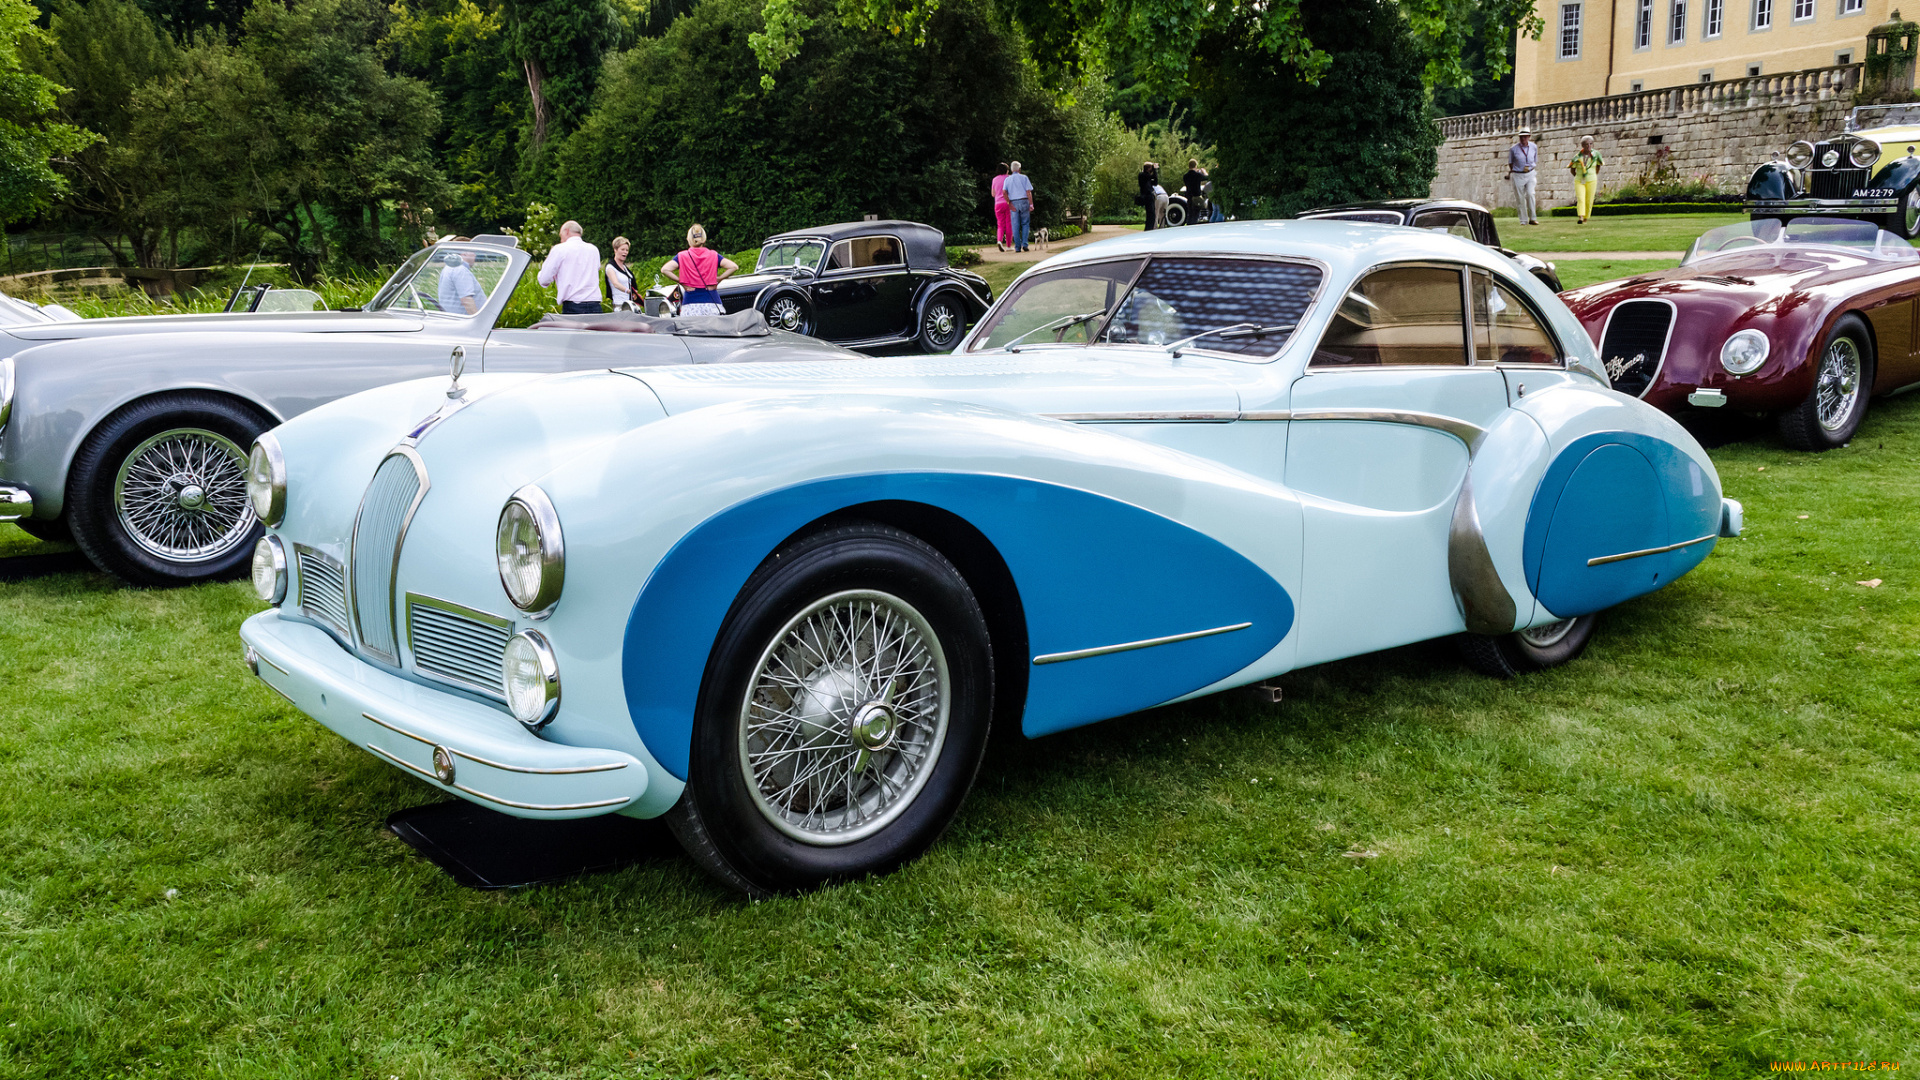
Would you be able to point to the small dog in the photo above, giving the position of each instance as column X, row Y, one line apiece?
column 1040, row 239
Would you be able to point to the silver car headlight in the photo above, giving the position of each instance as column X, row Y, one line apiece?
column 1800, row 154
column 527, row 545
column 270, row 570
column 6, row 393
column 267, row 480
column 1744, row 352
column 1864, row 153
column 531, row 678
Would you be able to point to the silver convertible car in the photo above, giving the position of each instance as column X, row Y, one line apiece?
column 131, row 435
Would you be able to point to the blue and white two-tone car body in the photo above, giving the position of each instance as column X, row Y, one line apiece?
column 782, row 603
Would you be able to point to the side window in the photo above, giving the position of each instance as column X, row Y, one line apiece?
column 841, row 257
column 865, row 251
column 1453, row 222
column 1179, row 297
column 1062, row 306
column 1400, row 315
column 1505, row 330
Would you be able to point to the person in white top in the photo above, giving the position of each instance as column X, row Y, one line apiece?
column 574, row 267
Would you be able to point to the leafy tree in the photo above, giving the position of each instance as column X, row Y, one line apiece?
column 459, row 47
column 867, row 124
column 559, row 44
column 1286, row 144
column 28, row 139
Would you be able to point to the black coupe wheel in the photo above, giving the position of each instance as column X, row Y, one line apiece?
column 158, row 494
column 942, row 323
column 843, row 714
column 789, row 311
column 1906, row 222
column 1504, row 656
column 1176, row 212
column 1841, row 383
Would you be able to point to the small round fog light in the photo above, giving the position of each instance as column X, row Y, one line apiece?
column 531, row 678
column 1744, row 352
column 270, row 570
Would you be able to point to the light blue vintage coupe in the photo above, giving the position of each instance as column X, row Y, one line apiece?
column 783, row 603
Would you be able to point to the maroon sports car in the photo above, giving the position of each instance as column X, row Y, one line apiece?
column 1803, row 320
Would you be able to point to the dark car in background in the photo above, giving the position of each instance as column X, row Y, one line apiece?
column 862, row 284
column 1455, row 216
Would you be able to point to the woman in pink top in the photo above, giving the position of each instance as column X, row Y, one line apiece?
column 1002, row 210
column 699, row 270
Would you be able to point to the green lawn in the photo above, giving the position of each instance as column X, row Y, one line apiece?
column 1579, row 273
column 1691, row 852
column 1630, row 232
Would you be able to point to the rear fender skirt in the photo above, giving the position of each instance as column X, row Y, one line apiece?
column 1093, row 573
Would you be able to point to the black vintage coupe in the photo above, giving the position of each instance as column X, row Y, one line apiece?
column 1456, row 216
column 862, row 284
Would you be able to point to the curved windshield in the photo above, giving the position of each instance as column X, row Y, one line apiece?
column 1066, row 306
column 800, row 254
column 447, row 279
column 1856, row 237
column 19, row 313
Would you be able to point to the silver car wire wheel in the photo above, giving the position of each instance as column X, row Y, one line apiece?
column 182, row 495
column 845, row 717
column 785, row 313
column 940, row 322
column 1837, row 385
column 1546, row 637
column 1910, row 211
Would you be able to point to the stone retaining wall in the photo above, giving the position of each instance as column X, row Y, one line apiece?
column 1719, row 130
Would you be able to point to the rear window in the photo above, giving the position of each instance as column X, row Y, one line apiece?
column 1371, row 217
column 1177, row 298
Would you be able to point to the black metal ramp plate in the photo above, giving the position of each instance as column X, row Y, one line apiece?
column 485, row 849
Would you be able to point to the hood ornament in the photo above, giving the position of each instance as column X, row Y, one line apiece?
column 456, row 364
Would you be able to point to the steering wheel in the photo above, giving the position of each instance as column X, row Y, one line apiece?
column 1729, row 245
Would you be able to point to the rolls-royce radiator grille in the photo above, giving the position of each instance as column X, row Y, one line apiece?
column 323, row 588
column 1635, row 343
column 384, row 512
column 1836, row 183
column 459, row 646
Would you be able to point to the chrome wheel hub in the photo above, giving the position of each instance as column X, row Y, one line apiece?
column 182, row 495
column 1838, row 384
column 1544, row 637
column 786, row 314
column 940, row 322
column 844, row 718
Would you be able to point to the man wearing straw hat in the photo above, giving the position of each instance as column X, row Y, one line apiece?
column 1523, row 160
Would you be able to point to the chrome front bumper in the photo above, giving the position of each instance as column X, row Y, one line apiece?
column 15, row 503
column 1822, row 207
column 476, row 752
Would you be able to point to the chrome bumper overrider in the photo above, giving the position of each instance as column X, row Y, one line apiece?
column 15, row 503
column 1835, row 207
column 478, row 753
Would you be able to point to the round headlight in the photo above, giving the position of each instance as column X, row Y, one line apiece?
column 270, row 570
column 267, row 480
column 1744, row 352
column 531, row 678
column 1800, row 154
column 533, row 562
column 1864, row 154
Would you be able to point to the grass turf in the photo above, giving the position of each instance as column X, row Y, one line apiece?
column 1644, row 232
column 1579, row 273
column 1691, row 852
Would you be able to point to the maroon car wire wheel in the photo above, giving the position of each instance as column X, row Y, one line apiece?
column 1837, row 386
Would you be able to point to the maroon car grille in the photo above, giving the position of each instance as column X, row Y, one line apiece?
column 1635, row 343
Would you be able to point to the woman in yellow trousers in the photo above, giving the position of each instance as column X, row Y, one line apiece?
column 1585, row 168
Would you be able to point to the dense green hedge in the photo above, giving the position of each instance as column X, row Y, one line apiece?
column 858, row 123
column 1619, row 209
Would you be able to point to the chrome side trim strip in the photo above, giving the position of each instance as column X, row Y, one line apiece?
column 283, row 694
column 1129, row 646
column 1469, row 434
column 265, row 659
column 1198, row 416
column 1625, row 555
column 495, row 799
column 397, row 730
column 611, row 766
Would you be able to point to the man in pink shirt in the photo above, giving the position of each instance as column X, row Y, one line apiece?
column 574, row 266
column 1002, row 210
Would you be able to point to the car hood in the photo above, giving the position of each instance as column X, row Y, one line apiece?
column 299, row 322
column 754, row 282
column 1755, row 274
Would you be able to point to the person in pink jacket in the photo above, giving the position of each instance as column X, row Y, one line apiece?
column 1002, row 211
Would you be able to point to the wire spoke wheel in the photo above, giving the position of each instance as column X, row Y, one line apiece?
column 1837, row 387
column 785, row 313
column 844, row 717
column 941, row 325
column 182, row 495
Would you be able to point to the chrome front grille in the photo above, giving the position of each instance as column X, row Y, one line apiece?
column 323, row 588
column 396, row 490
column 458, row 644
column 1634, row 344
column 1836, row 183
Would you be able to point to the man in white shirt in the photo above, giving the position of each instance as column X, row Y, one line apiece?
column 1019, row 191
column 574, row 266
column 1522, row 167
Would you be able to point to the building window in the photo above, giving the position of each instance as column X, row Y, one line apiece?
column 1843, row 57
column 1763, row 14
column 1706, row 76
column 1802, row 10
column 1716, row 18
column 1569, row 31
column 1636, row 86
column 1753, row 71
column 1852, row 7
column 1676, row 21
column 1643, row 25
